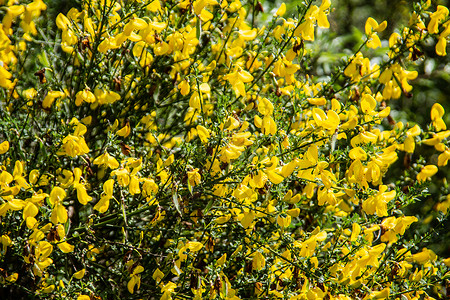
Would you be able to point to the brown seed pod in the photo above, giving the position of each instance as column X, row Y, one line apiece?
column 41, row 75
column 259, row 8
column 125, row 148
column 117, row 83
column 53, row 235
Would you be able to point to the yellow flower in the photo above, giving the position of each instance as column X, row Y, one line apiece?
column 123, row 177
column 378, row 202
column 42, row 260
column 426, row 172
column 184, row 87
column 4, row 147
column 199, row 5
column 395, row 226
column 258, row 261
column 269, row 126
column 203, row 133
column 5, row 241
column 313, row 15
column 106, row 97
column 330, row 121
column 134, row 24
column 108, row 188
column 48, row 289
column 440, row 14
column 57, row 195
column 68, row 38
column 237, row 80
column 66, row 247
column 73, row 146
column 30, row 210
column 230, row 151
column 356, row 230
column 194, row 177
column 383, row 294
column 79, row 274
column 371, row 28
column 84, row 96
column 106, row 160
column 443, row 158
column 308, row 246
column 91, row 251
column 322, row 20
column 358, row 67
column 134, row 185
column 82, row 195
column 424, row 256
column 62, row 22
column 12, row 12
column 135, row 279
column 284, row 222
column 281, row 10
column 13, row 277
column 5, row 76
column 437, row 112
column 50, row 98
column 358, row 153
column 59, row 212
column 265, row 107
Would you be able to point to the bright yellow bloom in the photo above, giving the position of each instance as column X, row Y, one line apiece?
column 237, row 80
column 330, row 121
column 62, row 22
column 437, row 112
column 424, row 256
column 135, row 279
column 371, row 28
column 82, row 195
column 440, row 14
column 59, row 212
column 106, row 160
column 426, row 172
column 84, row 96
column 378, row 202
column 358, row 153
column 73, row 146
column 194, row 177
column 395, row 226
column 5, row 76
column 281, row 10
column 383, row 294
column 203, row 133
column 79, row 274
column 106, row 97
column 66, row 247
column 4, row 147
column 103, row 204
column 50, row 98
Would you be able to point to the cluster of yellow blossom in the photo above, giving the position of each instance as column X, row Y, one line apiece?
column 189, row 153
column 25, row 15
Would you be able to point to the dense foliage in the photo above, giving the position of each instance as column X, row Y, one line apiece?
column 189, row 150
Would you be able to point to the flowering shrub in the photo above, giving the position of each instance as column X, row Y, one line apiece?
column 181, row 149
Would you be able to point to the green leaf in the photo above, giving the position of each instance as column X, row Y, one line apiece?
column 176, row 203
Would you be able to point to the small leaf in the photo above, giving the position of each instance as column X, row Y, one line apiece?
column 176, row 202
column 208, row 206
